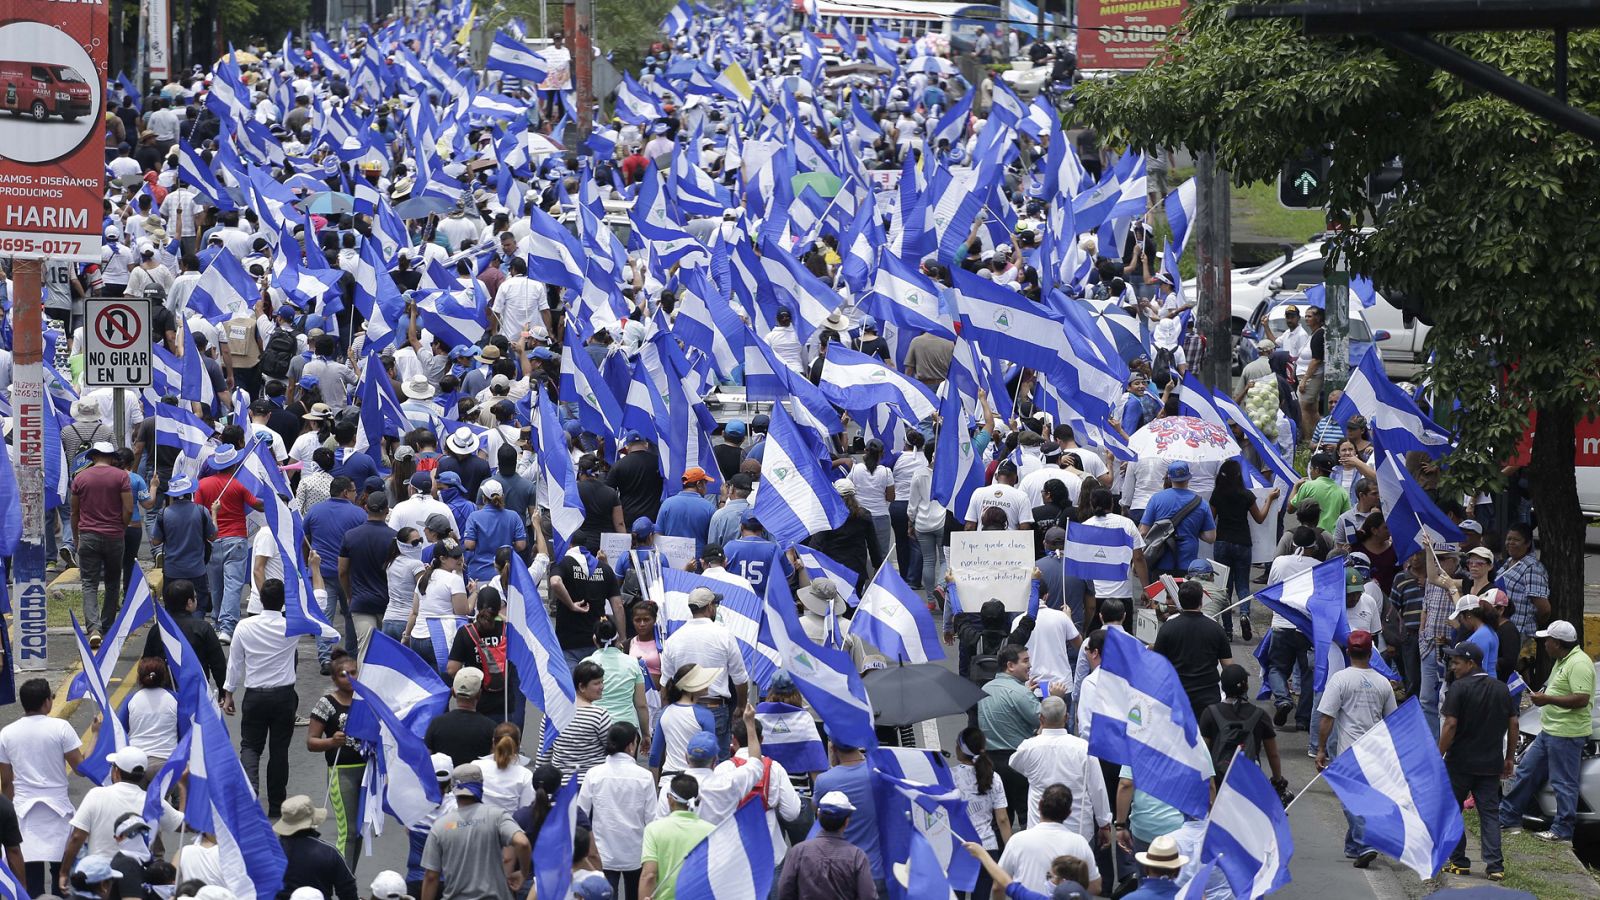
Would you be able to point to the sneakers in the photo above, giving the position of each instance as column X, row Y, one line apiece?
column 224, row 637
column 68, row 560
column 301, row 721
column 1281, row 714
column 1365, row 859
column 1453, row 869
column 1552, row 837
column 1510, row 829
column 1495, row 876
column 327, row 667
column 94, row 641
column 1244, row 629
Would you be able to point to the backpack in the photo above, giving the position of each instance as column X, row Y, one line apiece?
column 493, row 659
column 1235, row 734
column 1161, row 367
column 985, row 663
column 279, row 353
column 1163, row 535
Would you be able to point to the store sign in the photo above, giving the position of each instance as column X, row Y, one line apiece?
column 1124, row 34
column 52, row 146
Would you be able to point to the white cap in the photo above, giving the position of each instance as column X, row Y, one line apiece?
column 306, row 892
column 130, row 759
column 1561, row 630
column 442, row 764
column 492, row 488
column 835, row 801
column 389, row 885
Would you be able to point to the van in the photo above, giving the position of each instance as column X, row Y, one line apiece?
column 43, row 90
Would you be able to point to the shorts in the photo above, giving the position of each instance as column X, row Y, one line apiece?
column 1311, row 392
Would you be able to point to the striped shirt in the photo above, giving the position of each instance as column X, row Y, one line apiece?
column 1524, row 578
column 1406, row 596
column 179, row 211
column 1437, row 608
column 582, row 744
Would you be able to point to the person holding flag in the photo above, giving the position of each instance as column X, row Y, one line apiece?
column 1355, row 699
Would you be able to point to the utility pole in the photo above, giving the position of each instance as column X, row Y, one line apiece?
column 580, row 31
column 1213, row 241
column 27, row 401
column 1336, row 326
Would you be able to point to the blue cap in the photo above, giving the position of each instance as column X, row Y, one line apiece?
column 542, row 353
column 422, row 481
column 596, row 888
column 1178, row 471
column 373, row 484
column 182, row 486
column 462, row 351
column 868, row 323
column 95, row 869
column 314, row 321
column 632, row 437
column 285, row 312
column 643, row 525
column 735, row 427
column 573, row 427
column 308, row 382
column 750, row 522
column 1200, row 567
column 451, row 479
column 225, row 456
column 760, row 422
column 702, row 746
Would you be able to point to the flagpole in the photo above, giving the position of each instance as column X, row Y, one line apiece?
column 1303, row 791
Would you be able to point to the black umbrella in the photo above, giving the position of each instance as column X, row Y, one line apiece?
column 904, row 695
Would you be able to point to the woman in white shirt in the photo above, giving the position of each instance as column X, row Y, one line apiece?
column 507, row 781
column 402, row 572
column 441, row 591
column 152, row 714
column 874, row 483
column 907, row 466
column 926, row 519
column 984, row 795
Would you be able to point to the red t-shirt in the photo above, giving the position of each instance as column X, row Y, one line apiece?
column 236, row 504
column 99, row 490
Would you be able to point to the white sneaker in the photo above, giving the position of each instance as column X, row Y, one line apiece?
column 224, row 637
column 1552, row 837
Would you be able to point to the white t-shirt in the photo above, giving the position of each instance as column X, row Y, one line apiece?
column 415, row 510
column 402, row 587
column 1144, row 480
column 980, row 806
column 34, row 747
column 443, row 585
column 103, row 806
column 153, row 722
column 1356, row 700
column 1004, row 496
column 1028, row 854
column 871, row 487
column 265, row 544
column 1297, row 343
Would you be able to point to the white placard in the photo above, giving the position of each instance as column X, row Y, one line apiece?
column 679, row 551
column 614, row 547
column 1264, row 535
column 992, row 565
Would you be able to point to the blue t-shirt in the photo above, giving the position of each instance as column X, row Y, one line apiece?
column 368, row 547
column 141, row 493
column 754, row 560
column 862, row 829
column 1186, row 544
column 1486, row 638
column 326, row 525
column 490, row 529
column 687, row 515
column 355, row 465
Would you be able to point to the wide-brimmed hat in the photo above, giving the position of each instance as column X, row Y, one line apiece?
column 299, row 813
column 836, row 322
column 86, row 410
column 699, row 678
column 1163, row 854
column 462, row 440
column 821, row 594
column 418, row 387
column 320, row 412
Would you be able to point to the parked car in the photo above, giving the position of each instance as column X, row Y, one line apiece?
column 1588, row 771
column 43, row 90
column 1362, row 336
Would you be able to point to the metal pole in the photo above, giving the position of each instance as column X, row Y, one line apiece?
column 27, row 400
column 119, row 412
column 1213, row 244
column 1336, row 326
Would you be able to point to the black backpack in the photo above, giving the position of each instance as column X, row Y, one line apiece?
column 279, row 353
column 985, row 664
column 1235, row 734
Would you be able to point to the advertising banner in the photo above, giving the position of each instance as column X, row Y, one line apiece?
column 52, row 148
column 1124, row 34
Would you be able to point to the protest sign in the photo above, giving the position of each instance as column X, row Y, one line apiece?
column 992, row 565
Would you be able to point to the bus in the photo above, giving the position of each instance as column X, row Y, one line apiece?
column 957, row 22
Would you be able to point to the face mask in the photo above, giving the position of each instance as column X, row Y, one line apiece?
column 135, row 847
column 410, row 551
column 164, row 891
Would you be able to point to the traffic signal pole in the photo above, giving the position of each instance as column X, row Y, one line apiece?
column 1213, row 248
column 27, row 403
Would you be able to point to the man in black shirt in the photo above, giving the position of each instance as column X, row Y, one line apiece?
column 602, row 506
column 463, row 733
column 1237, row 724
column 584, row 589
column 1196, row 646
column 637, row 477
column 1478, row 738
column 461, row 457
column 730, row 453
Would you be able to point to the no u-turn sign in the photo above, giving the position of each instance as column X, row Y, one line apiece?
column 117, row 343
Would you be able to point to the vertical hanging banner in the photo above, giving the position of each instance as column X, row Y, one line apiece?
column 158, row 38
column 52, row 165
column 1124, row 34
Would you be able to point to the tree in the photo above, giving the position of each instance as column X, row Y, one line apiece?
column 1492, row 230
column 623, row 28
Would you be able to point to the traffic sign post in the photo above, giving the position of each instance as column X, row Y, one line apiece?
column 117, row 350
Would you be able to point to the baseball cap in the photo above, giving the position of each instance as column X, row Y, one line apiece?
column 1235, row 678
column 835, row 802
column 643, row 526
column 594, row 887
column 467, row 780
column 451, row 479
column 442, row 764
column 103, row 448
column 130, row 823
column 1200, row 567
column 95, row 869
column 438, row 523
column 1360, row 640
column 130, row 759
column 1466, row 649
column 1178, row 471
column 1467, row 604
column 735, row 428
column 1560, row 629
column 760, row 422
column 702, row 746
column 695, row 475
column 421, row 481
column 389, row 885
column 1056, row 535
column 468, row 682
column 1483, row 553
column 702, row 597
column 1495, row 597
column 1354, row 581
column 492, row 488
column 1471, row 525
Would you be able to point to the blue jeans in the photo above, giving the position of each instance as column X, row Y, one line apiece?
column 1432, row 677
column 1237, row 558
column 1485, row 790
column 1355, row 836
column 229, row 566
column 1291, row 650
column 1552, row 759
column 723, row 717
column 575, row 656
column 331, row 608
column 930, row 546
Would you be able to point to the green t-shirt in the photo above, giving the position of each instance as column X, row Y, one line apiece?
column 667, row 843
column 1573, row 674
column 1008, row 712
column 623, row 675
column 1332, row 498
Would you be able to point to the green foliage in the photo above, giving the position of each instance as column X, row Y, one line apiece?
column 1493, row 228
column 623, row 28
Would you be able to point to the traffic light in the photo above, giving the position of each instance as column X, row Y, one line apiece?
column 1303, row 183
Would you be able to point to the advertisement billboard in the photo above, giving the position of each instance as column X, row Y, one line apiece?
column 52, row 147
column 1124, row 34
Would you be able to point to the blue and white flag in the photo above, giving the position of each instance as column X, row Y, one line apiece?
column 178, row 427
column 552, row 847
column 407, row 685
column 795, row 499
column 933, row 810
column 511, row 56
column 1142, row 719
column 1313, row 602
column 1248, row 835
column 895, row 620
column 1396, row 422
column 12, row 885
column 789, row 735
column 734, row 862
column 10, row 512
column 558, row 485
column 138, row 606
column 739, row 611
column 952, row 122
column 225, row 290
column 904, row 296
column 826, row 677
column 1097, row 552
column 820, row 565
column 957, row 471
column 1395, row 780
column 96, row 764
column 1515, row 683
column 677, row 20
column 532, row 647
column 1407, row 508
column 1219, row 409
column 194, row 170
column 401, row 774
column 920, row 875
column 862, row 384
column 188, row 672
column 454, row 317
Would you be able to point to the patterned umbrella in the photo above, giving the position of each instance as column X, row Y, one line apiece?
column 1184, row 438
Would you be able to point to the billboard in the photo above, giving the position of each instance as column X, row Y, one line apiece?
column 1124, row 34
column 52, row 162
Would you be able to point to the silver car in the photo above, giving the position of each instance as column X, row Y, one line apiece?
column 1588, row 769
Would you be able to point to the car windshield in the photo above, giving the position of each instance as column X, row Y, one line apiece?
column 1358, row 326
column 67, row 73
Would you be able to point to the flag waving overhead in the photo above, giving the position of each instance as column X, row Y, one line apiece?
column 1407, row 508
column 1313, row 601
column 1396, row 422
column 895, row 620
column 826, row 677
column 532, row 647
column 794, row 499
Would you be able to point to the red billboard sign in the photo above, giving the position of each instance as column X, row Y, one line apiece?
column 1124, row 34
column 52, row 147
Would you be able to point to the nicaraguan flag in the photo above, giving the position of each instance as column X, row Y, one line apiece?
column 225, row 290
column 1407, row 508
column 401, row 766
column 789, row 736
column 957, row 471
column 193, row 170
column 1248, row 833
column 895, row 620
column 1142, row 719
column 677, row 19
column 1098, row 553
column 96, row 764
column 552, row 847
column 795, row 498
column 511, row 56
column 1313, row 602
column 137, row 608
column 734, row 861
column 12, row 886
column 862, row 384
column 739, row 612
column 820, row 565
column 532, row 647
column 10, row 511
column 558, row 485
column 410, row 688
column 921, row 875
column 1394, row 778
column 952, row 123
column 826, row 677
column 1396, row 422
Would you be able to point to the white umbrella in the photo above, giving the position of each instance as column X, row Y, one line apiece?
column 933, row 65
column 1184, row 438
